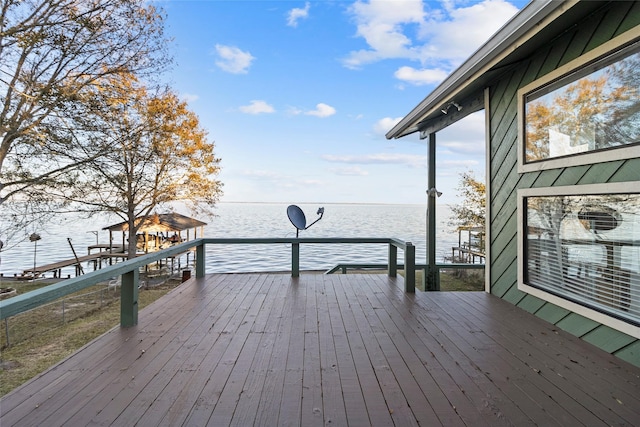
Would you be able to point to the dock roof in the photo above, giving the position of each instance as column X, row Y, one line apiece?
column 160, row 223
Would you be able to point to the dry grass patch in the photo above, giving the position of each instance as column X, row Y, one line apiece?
column 26, row 359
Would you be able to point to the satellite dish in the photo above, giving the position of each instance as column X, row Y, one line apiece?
column 297, row 218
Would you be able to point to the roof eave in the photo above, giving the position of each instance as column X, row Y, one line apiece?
column 507, row 38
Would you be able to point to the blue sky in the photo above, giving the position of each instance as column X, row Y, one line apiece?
column 298, row 95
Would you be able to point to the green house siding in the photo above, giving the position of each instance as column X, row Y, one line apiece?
column 504, row 179
column 630, row 353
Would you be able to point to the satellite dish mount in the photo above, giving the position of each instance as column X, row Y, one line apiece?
column 299, row 221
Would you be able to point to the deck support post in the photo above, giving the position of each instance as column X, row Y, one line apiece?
column 129, row 298
column 410, row 268
column 295, row 259
column 393, row 261
column 200, row 261
column 431, row 276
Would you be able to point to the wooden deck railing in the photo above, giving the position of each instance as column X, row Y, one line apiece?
column 130, row 271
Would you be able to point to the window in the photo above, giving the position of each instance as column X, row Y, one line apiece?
column 582, row 244
column 590, row 106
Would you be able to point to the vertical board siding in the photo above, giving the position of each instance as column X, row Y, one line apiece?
column 504, row 180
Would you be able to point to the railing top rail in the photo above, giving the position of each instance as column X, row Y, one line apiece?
column 24, row 302
column 27, row 301
column 336, row 240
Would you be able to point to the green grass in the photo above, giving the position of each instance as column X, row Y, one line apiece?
column 458, row 280
column 462, row 280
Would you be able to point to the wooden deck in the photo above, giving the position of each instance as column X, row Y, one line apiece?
column 270, row 350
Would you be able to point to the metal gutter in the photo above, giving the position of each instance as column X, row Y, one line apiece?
column 530, row 20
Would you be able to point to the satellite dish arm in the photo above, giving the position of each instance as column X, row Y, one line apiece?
column 320, row 212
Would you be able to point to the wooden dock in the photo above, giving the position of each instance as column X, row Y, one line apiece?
column 106, row 252
column 57, row 266
column 467, row 254
column 470, row 247
column 343, row 350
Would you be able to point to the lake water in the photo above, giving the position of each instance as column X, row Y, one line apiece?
column 405, row 222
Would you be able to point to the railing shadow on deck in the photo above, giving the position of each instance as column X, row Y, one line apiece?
column 129, row 271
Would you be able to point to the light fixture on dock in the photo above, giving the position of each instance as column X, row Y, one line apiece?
column 34, row 237
column 297, row 218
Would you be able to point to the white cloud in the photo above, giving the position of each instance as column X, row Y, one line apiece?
column 420, row 77
column 412, row 160
column 440, row 39
column 456, row 38
column 382, row 126
column 277, row 180
column 233, row 60
column 456, row 164
column 296, row 14
column 465, row 137
column 189, row 97
column 257, row 107
column 381, row 24
column 350, row 171
column 472, row 148
column 322, row 110
column 308, row 182
column 261, row 174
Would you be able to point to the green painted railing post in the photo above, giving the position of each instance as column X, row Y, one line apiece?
column 295, row 259
column 393, row 260
column 129, row 298
column 410, row 268
column 200, row 262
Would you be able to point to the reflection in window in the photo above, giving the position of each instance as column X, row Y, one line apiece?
column 585, row 111
column 586, row 249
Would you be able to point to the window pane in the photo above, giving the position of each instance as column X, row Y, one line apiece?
column 586, row 249
column 583, row 113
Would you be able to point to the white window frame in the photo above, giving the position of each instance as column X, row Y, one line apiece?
column 574, row 190
column 591, row 57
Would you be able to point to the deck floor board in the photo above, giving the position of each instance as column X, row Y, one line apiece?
column 268, row 349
